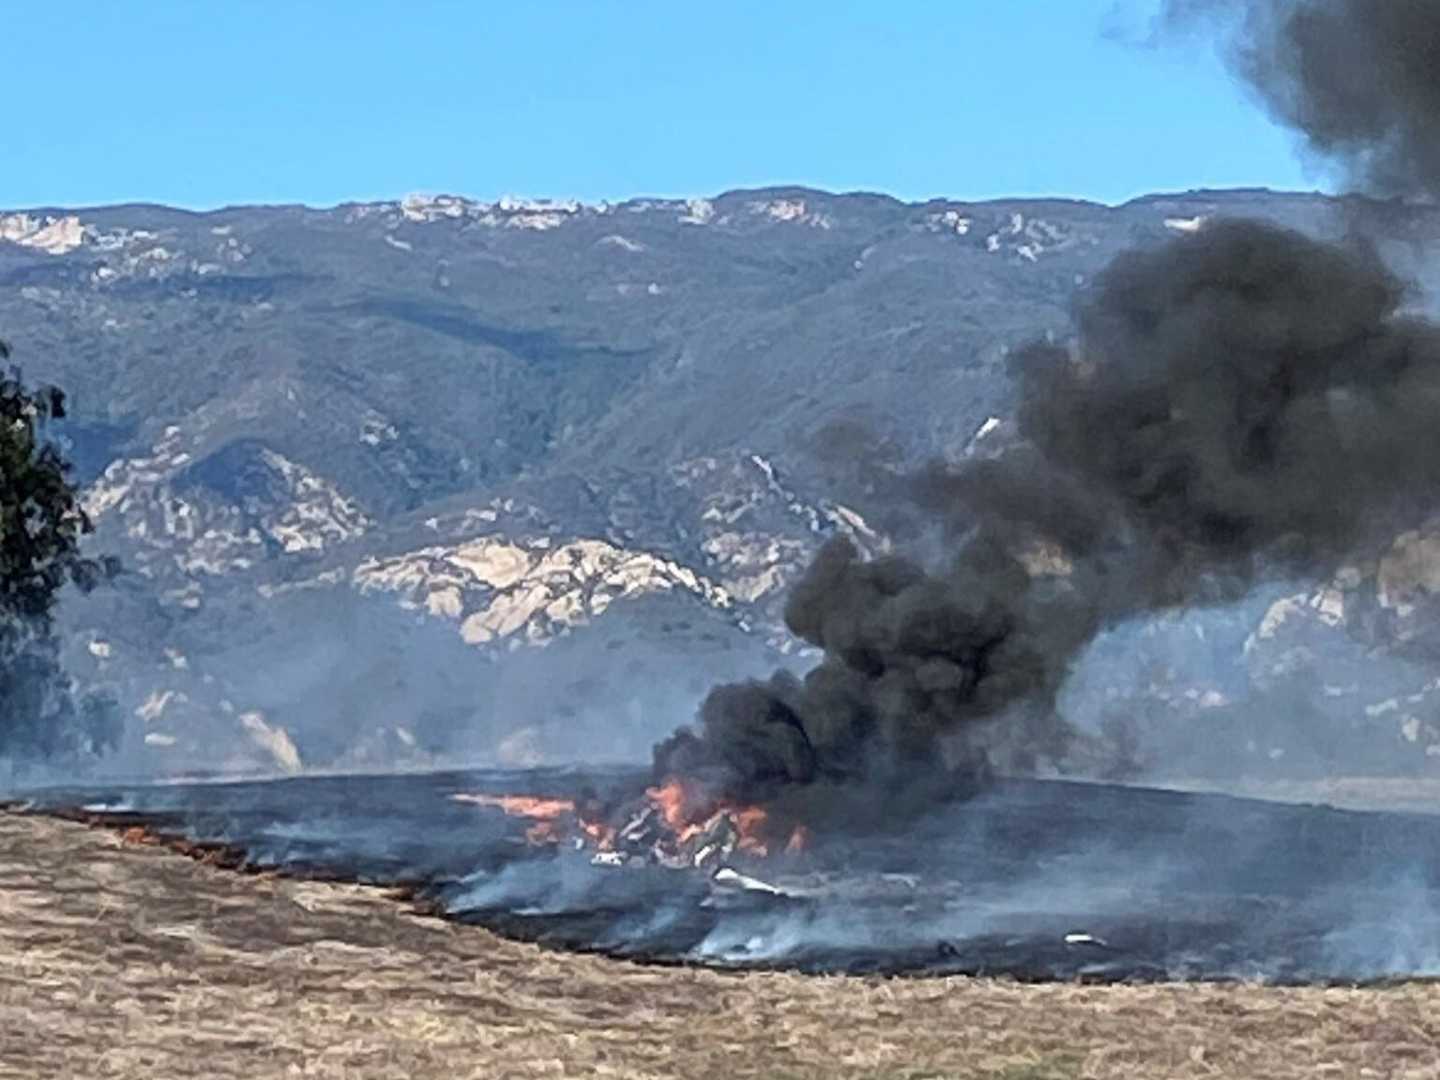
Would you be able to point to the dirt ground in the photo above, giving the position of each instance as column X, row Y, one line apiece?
column 120, row 959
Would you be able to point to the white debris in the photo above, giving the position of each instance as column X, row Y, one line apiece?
column 119, row 806
column 726, row 876
column 1085, row 939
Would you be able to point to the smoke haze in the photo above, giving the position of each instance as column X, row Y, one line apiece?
column 1356, row 78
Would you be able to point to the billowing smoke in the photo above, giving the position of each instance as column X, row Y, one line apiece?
column 1357, row 78
column 1240, row 404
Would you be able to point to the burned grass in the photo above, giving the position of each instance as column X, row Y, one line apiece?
column 121, row 958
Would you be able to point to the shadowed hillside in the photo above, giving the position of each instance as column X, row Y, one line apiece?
column 459, row 429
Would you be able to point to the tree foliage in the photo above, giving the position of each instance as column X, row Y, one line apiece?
column 41, row 525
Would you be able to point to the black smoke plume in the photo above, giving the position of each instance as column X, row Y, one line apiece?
column 1240, row 404
column 1359, row 79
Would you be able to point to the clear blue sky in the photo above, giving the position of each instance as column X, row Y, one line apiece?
column 203, row 103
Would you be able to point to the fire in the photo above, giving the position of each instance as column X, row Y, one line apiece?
column 544, row 812
column 548, row 815
column 750, row 824
column 529, row 806
column 696, row 826
column 674, row 803
column 687, row 815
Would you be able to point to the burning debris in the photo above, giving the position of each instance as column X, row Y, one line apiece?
column 553, row 819
column 671, row 826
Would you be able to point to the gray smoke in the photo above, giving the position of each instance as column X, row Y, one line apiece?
column 1359, row 79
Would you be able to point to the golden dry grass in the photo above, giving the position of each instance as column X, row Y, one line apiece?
column 118, row 959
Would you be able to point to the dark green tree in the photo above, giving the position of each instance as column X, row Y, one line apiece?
column 41, row 525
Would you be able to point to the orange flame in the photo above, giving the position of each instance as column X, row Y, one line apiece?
column 687, row 816
column 750, row 824
column 530, row 806
column 673, row 801
column 685, row 812
column 547, row 814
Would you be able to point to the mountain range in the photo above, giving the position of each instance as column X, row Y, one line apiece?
column 413, row 481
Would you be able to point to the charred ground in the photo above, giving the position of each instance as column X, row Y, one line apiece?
column 1034, row 879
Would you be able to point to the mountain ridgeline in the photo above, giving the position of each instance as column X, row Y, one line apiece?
column 416, row 481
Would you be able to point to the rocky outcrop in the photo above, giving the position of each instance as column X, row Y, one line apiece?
column 522, row 432
column 53, row 235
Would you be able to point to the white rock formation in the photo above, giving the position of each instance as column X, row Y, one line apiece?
column 1186, row 225
column 498, row 588
column 792, row 210
column 55, row 235
column 697, row 212
column 200, row 537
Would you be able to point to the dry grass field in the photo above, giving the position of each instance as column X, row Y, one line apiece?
column 125, row 959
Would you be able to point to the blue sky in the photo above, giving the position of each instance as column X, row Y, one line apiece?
column 206, row 103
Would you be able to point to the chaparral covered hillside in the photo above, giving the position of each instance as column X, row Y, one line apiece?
column 406, row 481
